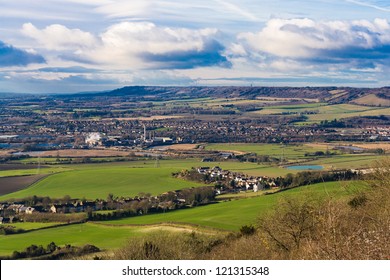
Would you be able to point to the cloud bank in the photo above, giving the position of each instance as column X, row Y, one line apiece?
column 11, row 56
column 134, row 45
column 306, row 38
column 291, row 50
column 299, row 46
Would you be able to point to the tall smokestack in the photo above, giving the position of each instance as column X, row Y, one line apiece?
column 144, row 133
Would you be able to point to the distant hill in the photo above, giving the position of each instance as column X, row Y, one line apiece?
column 332, row 95
column 9, row 94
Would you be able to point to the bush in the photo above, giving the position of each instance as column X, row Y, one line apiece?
column 168, row 246
column 247, row 230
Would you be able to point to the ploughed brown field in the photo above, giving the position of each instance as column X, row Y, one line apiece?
column 13, row 184
column 4, row 167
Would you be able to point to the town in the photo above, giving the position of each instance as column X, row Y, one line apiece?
column 56, row 122
column 211, row 160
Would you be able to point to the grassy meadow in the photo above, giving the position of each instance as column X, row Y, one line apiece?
column 104, row 237
column 231, row 215
column 127, row 178
column 228, row 215
column 289, row 152
column 130, row 178
column 324, row 111
column 99, row 181
column 26, row 172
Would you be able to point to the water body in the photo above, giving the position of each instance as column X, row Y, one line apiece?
column 353, row 148
column 31, row 154
column 8, row 136
column 305, row 167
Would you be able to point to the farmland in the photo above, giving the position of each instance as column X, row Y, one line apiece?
column 128, row 179
column 13, row 184
column 98, row 182
column 231, row 215
column 133, row 177
column 78, row 235
column 320, row 112
column 298, row 153
column 125, row 161
column 289, row 152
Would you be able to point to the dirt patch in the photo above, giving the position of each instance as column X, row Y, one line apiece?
column 182, row 147
column 337, row 91
column 372, row 100
column 5, row 167
column 384, row 146
column 4, row 153
column 320, row 146
column 167, row 228
column 13, row 184
column 173, row 227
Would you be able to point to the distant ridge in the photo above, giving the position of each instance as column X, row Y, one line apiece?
column 332, row 94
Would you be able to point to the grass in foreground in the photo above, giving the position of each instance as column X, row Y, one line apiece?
column 77, row 235
column 231, row 215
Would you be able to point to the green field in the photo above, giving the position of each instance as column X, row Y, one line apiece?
column 131, row 178
column 98, row 182
column 348, row 161
column 296, row 153
column 33, row 226
column 289, row 152
column 128, row 179
column 325, row 112
column 24, row 172
column 101, row 236
column 231, row 215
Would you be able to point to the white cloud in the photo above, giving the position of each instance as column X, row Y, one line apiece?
column 147, row 37
column 59, row 37
column 126, row 44
column 131, row 45
column 306, row 38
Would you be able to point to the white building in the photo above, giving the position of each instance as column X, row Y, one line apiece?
column 93, row 139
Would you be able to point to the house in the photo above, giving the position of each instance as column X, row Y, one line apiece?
column 54, row 208
column 203, row 170
column 15, row 207
column 272, row 184
column 62, row 208
column 226, row 155
column 87, row 205
column 217, row 169
column 162, row 140
column 30, row 210
column 93, row 139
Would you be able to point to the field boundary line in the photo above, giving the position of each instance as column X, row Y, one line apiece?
column 169, row 224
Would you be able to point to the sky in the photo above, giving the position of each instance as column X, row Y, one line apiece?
column 58, row 46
